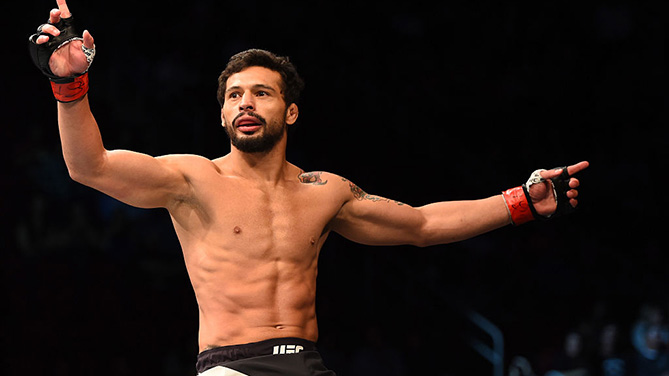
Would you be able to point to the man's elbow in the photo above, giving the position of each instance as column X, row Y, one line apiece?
column 75, row 175
column 421, row 243
column 423, row 238
column 431, row 234
column 81, row 176
column 85, row 170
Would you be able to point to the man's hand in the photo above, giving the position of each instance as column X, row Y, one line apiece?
column 542, row 195
column 68, row 60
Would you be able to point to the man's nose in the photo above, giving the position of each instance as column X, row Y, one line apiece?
column 247, row 103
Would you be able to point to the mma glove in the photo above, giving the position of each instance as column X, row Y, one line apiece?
column 65, row 89
column 520, row 206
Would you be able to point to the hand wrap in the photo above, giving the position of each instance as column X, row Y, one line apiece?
column 65, row 89
column 520, row 206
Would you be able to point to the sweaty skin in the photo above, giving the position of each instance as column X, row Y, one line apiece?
column 251, row 250
column 251, row 225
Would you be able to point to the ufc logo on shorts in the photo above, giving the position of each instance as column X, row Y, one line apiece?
column 287, row 349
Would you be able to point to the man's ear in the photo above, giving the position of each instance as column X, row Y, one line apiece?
column 222, row 118
column 292, row 112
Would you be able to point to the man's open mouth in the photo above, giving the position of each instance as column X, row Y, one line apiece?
column 248, row 124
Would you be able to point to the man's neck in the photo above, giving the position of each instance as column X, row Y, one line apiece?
column 269, row 167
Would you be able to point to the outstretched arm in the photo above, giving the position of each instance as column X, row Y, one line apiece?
column 134, row 178
column 374, row 220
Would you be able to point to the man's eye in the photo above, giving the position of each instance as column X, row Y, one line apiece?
column 261, row 93
column 233, row 95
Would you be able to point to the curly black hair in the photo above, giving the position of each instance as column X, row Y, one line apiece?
column 292, row 84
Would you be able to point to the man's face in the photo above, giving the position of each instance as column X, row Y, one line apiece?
column 254, row 113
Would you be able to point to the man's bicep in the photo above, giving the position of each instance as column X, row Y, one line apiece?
column 139, row 179
column 375, row 220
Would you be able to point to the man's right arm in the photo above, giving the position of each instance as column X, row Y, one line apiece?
column 134, row 178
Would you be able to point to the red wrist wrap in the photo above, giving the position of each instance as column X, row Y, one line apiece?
column 519, row 208
column 71, row 91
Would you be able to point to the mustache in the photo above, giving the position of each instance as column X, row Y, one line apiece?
column 250, row 113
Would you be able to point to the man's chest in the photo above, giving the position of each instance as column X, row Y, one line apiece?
column 238, row 214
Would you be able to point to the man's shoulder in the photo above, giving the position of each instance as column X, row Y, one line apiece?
column 340, row 184
column 336, row 185
column 321, row 178
column 184, row 157
column 189, row 163
column 314, row 177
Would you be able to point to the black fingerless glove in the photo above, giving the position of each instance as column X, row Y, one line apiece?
column 65, row 89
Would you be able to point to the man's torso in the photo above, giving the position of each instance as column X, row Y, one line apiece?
column 251, row 250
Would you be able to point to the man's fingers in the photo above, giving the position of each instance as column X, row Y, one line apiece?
column 88, row 39
column 64, row 10
column 549, row 174
column 571, row 170
column 49, row 29
column 54, row 16
column 42, row 39
column 578, row 167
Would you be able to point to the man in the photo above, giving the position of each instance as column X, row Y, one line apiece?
column 251, row 225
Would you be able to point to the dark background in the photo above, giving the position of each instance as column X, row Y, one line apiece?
column 415, row 101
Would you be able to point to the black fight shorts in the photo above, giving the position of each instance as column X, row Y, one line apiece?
column 280, row 356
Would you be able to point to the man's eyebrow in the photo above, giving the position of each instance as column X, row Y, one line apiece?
column 256, row 86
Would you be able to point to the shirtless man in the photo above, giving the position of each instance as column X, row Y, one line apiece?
column 251, row 224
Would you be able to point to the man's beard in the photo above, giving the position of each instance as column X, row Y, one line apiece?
column 269, row 137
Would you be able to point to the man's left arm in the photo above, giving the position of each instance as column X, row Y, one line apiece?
column 374, row 220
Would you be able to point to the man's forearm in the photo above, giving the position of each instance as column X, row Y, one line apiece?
column 80, row 137
column 452, row 221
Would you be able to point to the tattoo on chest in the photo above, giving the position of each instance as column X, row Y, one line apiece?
column 360, row 195
column 312, row 178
